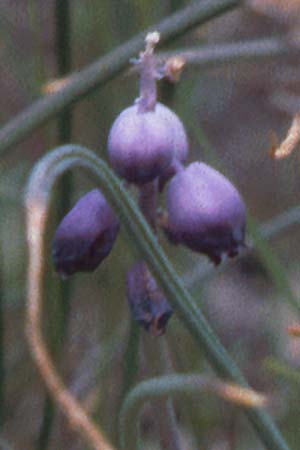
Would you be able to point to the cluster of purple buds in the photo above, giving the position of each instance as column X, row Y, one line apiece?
column 147, row 145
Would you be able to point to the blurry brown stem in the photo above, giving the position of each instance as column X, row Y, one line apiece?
column 75, row 414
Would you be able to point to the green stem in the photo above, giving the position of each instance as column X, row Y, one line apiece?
column 169, row 426
column 39, row 191
column 131, row 358
column 163, row 410
column 63, row 52
column 107, row 68
column 158, row 388
column 213, row 55
column 2, row 350
column 130, row 368
column 60, row 291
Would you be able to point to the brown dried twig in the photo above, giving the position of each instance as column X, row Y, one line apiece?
column 289, row 143
column 294, row 330
column 74, row 412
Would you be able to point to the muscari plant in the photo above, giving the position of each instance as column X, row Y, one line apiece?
column 147, row 143
column 147, row 147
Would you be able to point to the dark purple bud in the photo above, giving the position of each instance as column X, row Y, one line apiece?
column 142, row 144
column 205, row 212
column 85, row 236
column 147, row 303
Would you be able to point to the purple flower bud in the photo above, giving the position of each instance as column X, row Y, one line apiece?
column 85, row 236
column 148, row 305
column 205, row 212
column 142, row 144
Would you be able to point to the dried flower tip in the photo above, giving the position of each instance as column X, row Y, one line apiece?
column 241, row 396
column 205, row 212
column 289, row 143
column 294, row 330
column 147, row 303
column 152, row 39
column 85, row 236
column 173, row 68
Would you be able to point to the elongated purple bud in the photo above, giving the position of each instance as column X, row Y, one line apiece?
column 85, row 236
column 147, row 303
column 205, row 212
column 142, row 144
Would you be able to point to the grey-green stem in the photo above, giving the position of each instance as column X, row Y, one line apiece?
column 164, row 411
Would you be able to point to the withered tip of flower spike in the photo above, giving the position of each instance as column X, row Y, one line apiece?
column 147, row 303
column 174, row 67
column 85, row 236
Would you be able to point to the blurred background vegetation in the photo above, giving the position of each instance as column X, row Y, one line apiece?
column 229, row 111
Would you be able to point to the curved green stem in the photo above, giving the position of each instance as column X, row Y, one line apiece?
column 163, row 387
column 38, row 195
column 107, row 68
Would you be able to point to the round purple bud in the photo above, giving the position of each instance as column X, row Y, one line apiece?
column 205, row 212
column 85, row 236
column 141, row 144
